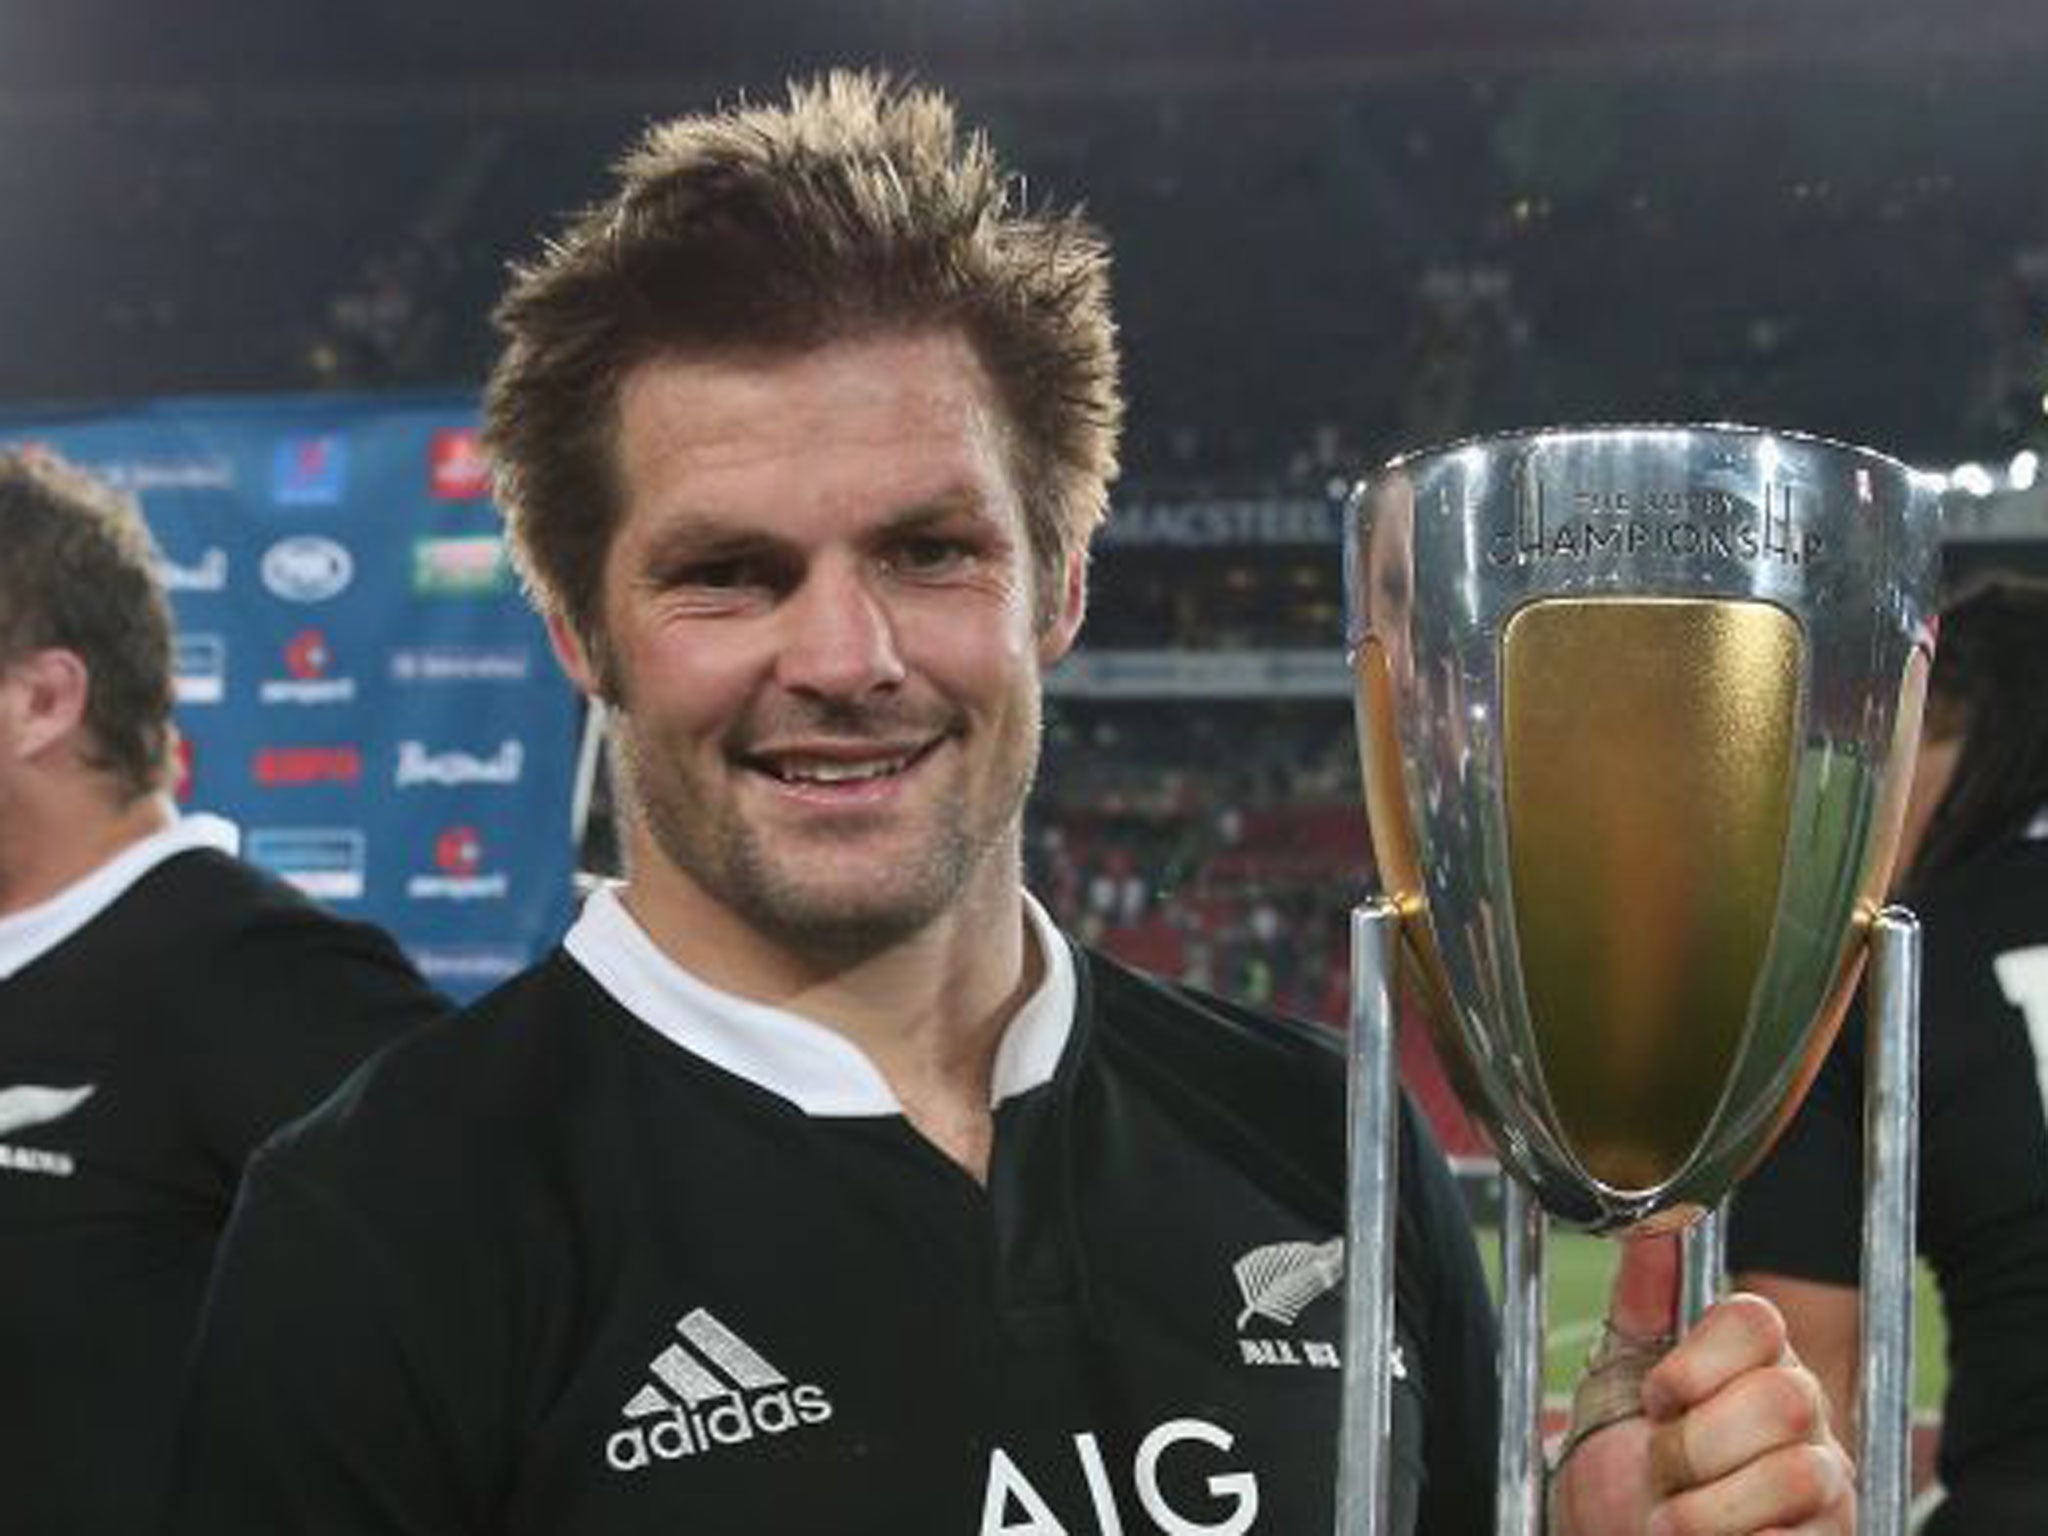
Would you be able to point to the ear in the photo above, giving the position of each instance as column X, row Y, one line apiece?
column 45, row 695
column 574, row 655
column 1063, row 622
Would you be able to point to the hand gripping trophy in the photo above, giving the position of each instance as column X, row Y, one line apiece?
column 1637, row 708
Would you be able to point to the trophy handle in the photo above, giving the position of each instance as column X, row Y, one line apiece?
column 1891, row 1174
column 1705, row 1271
column 1364, row 1432
column 1891, row 1166
column 1520, row 1477
column 1366, row 1423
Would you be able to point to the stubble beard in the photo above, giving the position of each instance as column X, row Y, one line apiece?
column 845, row 920
column 10, row 826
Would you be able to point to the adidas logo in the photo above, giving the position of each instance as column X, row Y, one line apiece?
column 710, row 1389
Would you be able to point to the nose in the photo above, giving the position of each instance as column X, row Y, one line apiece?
column 839, row 638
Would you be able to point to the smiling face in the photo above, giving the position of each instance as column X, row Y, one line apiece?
column 822, row 641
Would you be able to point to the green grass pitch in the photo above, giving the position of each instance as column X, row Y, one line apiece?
column 1579, row 1269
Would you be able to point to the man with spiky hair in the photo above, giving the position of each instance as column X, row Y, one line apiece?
column 819, row 1183
column 163, row 1006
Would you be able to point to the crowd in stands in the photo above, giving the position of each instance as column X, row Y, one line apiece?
column 1223, row 844
column 1309, row 277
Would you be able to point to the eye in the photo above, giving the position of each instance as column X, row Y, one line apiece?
column 733, row 571
column 736, row 572
column 708, row 582
column 930, row 554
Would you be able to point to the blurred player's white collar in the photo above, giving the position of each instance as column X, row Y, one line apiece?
column 34, row 931
column 811, row 1065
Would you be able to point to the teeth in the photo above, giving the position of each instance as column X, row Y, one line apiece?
column 839, row 773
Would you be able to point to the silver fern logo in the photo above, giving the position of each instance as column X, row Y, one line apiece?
column 1279, row 1280
column 29, row 1105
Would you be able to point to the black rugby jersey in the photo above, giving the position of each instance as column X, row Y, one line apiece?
column 1983, row 1206
column 543, row 1269
column 143, row 1053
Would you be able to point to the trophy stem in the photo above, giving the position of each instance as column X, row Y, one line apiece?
column 1891, row 1152
column 1706, row 1261
column 1523, row 1227
column 1365, row 1426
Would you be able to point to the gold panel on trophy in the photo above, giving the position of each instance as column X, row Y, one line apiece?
column 1649, row 747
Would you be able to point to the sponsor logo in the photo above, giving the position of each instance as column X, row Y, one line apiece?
column 1012, row 1503
column 308, row 660
column 473, row 566
column 2023, row 979
column 468, row 964
column 309, row 471
column 459, row 856
column 136, row 476
column 307, row 568
column 277, row 767
column 416, row 765
column 1220, row 523
column 209, row 573
column 1277, row 1283
column 325, row 863
column 710, row 1391
column 30, row 1105
column 462, row 664
column 456, row 467
column 199, row 669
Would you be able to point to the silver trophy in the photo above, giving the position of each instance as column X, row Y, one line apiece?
column 1637, row 707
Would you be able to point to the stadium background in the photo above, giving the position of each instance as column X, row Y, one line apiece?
column 1341, row 229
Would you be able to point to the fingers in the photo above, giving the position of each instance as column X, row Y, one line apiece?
column 1742, row 1423
column 1740, row 1439
column 1740, row 1333
column 1796, row 1488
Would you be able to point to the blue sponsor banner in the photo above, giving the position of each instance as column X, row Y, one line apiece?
column 361, row 687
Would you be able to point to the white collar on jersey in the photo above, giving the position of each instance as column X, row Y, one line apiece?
column 34, row 931
column 808, row 1063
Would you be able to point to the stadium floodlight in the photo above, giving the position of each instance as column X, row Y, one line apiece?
column 1972, row 479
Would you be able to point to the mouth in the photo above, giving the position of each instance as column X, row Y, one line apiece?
column 842, row 768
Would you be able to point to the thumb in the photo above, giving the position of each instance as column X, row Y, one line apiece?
column 1644, row 1301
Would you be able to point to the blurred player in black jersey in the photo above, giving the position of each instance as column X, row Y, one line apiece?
column 819, row 1185
column 163, row 1007
column 1976, row 862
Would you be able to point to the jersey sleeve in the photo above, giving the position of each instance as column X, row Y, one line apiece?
column 1800, row 1213
column 294, row 1004
column 1461, row 1416
column 316, row 1400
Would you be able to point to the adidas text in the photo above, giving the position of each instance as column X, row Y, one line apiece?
column 709, row 1389
column 688, row 1431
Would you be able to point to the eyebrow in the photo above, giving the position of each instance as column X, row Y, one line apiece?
column 960, row 501
column 697, row 535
